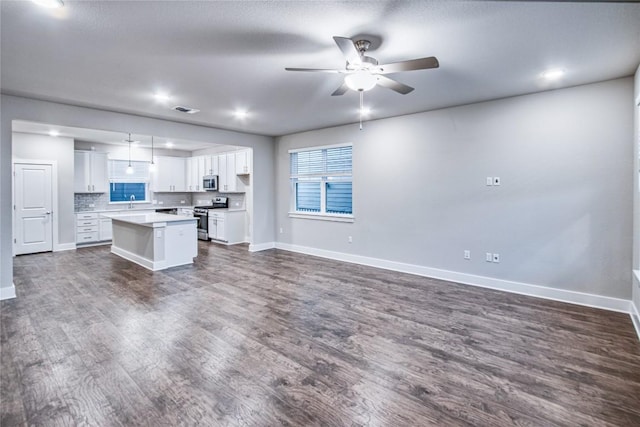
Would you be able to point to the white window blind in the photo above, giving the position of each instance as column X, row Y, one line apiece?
column 328, row 161
column 118, row 171
column 321, row 180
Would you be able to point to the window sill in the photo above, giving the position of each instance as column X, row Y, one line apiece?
column 137, row 202
column 322, row 217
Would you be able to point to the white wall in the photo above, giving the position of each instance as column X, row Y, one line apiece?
column 18, row 108
column 42, row 147
column 562, row 217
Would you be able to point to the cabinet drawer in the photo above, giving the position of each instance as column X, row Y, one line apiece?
column 87, row 222
column 87, row 237
column 90, row 215
column 87, row 228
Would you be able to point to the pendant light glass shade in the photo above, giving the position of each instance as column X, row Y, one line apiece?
column 361, row 80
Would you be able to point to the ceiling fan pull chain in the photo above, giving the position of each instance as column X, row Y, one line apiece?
column 361, row 107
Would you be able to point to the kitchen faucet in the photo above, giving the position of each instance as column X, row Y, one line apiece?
column 131, row 200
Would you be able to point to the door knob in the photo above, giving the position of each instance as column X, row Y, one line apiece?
column 48, row 212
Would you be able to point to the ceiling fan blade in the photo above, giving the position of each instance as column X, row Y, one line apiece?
column 316, row 70
column 393, row 85
column 410, row 65
column 341, row 90
column 348, row 49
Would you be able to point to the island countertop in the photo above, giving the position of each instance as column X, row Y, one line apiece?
column 150, row 219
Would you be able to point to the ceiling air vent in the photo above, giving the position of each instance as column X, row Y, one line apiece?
column 185, row 109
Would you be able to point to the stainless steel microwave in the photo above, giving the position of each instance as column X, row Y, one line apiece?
column 210, row 182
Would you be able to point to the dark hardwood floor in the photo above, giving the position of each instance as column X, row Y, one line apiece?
column 277, row 338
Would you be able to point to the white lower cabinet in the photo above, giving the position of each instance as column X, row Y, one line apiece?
column 87, row 227
column 92, row 228
column 226, row 227
column 104, row 230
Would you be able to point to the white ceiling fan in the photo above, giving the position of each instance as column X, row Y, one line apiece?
column 364, row 73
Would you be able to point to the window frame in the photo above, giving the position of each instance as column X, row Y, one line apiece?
column 115, row 180
column 323, row 178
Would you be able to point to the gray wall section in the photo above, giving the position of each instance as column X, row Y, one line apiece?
column 636, row 186
column 18, row 108
column 562, row 217
column 42, row 147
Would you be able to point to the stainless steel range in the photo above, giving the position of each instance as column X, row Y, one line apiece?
column 202, row 214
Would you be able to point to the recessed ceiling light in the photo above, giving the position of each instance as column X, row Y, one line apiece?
column 161, row 97
column 54, row 133
column 241, row 114
column 51, row 4
column 553, row 74
column 169, row 144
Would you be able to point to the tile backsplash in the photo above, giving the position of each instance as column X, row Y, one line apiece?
column 100, row 201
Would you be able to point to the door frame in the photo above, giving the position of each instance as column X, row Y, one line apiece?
column 54, row 199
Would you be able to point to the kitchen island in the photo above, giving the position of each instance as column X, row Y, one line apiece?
column 155, row 241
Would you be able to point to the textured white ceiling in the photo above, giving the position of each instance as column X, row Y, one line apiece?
column 218, row 56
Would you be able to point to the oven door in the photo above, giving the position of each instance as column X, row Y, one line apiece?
column 203, row 225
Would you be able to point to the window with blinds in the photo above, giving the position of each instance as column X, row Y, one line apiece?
column 122, row 186
column 321, row 180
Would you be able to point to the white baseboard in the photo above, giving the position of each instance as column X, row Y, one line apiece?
column 635, row 318
column 257, row 247
column 580, row 298
column 64, row 247
column 8, row 292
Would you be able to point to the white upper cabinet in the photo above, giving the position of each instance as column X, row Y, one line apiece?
column 170, row 174
column 195, row 172
column 211, row 165
column 228, row 181
column 243, row 163
column 90, row 172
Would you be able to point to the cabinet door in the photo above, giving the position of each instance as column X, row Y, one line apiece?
column 105, row 232
column 201, row 170
column 179, row 174
column 223, row 178
column 212, row 227
column 232, row 177
column 162, row 177
column 81, row 172
column 220, row 229
column 242, row 163
column 192, row 173
column 99, row 173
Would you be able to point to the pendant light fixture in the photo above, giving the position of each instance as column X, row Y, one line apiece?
column 129, row 168
column 152, row 165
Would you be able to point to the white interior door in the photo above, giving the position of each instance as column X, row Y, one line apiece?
column 33, row 192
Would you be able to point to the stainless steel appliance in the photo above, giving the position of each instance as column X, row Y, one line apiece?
column 210, row 182
column 170, row 211
column 202, row 214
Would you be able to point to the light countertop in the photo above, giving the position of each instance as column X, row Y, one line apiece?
column 149, row 220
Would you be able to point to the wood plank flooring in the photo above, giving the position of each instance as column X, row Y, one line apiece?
column 277, row 338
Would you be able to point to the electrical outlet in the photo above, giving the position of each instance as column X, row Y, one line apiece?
column 161, row 202
column 182, row 202
column 496, row 257
column 496, row 180
column 154, row 202
column 281, row 230
column 489, row 180
column 350, row 239
column 92, row 205
column 467, row 254
column 488, row 257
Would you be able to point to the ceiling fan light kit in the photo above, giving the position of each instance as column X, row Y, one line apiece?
column 363, row 72
column 361, row 80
